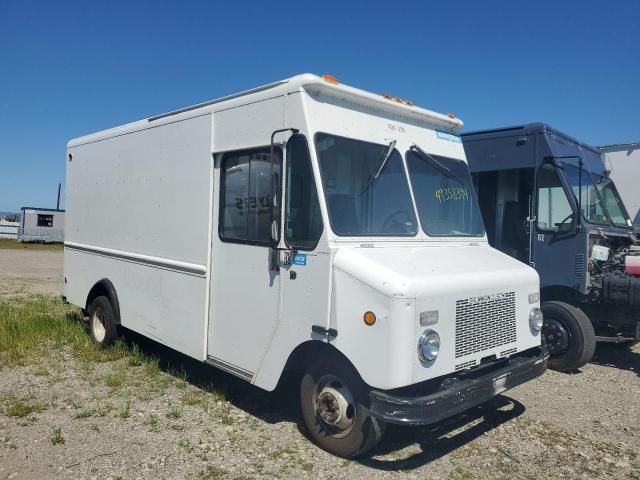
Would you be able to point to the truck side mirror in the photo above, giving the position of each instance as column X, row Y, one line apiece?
column 275, row 231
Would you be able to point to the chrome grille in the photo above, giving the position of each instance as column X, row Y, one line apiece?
column 485, row 322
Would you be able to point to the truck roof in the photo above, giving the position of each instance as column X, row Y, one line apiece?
column 305, row 81
column 525, row 129
column 614, row 147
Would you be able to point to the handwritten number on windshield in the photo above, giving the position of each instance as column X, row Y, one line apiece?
column 452, row 193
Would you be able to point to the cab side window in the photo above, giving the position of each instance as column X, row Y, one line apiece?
column 553, row 205
column 246, row 204
column 303, row 220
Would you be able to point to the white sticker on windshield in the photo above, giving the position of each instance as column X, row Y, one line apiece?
column 448, row 136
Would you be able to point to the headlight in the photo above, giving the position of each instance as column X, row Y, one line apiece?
column 535, row 320
column 428, row 346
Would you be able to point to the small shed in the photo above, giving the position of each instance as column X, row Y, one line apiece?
column 41, row 225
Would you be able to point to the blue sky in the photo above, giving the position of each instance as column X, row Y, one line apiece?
column 69, row 68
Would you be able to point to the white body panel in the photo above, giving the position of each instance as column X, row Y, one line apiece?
column 219, row 301
column 623, row 161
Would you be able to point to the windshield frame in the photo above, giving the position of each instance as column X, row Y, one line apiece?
column 436, row 158
column 578, row 205
column 420, row 232
column 613, row 188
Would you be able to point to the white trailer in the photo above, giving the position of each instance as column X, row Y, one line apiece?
column 623, row 163
column 330, row 230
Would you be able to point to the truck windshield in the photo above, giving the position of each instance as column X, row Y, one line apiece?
column 366, row 188
column 593, row 210
column 444, row 195
column 612, row 201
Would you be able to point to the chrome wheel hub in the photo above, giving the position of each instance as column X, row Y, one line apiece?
column 335, row 406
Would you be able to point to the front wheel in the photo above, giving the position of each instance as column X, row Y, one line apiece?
column 335, row 408
column 568, row 334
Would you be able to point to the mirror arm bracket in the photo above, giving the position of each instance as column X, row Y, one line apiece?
column 275, row 234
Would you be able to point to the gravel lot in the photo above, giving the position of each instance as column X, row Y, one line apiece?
column 24, row 271
column 115, row 419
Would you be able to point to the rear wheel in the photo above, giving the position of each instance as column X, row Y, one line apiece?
column 102, row 322
column 569, row 336
column 334, row 403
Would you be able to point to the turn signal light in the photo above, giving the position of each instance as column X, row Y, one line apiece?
column 369, row 318
column 330, row 79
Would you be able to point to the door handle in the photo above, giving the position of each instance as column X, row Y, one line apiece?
column 293, row 275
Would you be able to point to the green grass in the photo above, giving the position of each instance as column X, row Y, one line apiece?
column 20, row 407
column 213, row 473
column 174, row 413
column 56, row 436
column 86, row 413
column 31, row 328
column 9, row 244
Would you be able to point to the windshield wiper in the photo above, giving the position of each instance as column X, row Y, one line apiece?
column 374, row 177
column 439, row 166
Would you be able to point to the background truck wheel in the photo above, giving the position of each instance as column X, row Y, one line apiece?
column 334, row 403
column 569, row 336
column 102, row 325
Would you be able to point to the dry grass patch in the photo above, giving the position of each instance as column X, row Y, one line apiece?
column 21, row 407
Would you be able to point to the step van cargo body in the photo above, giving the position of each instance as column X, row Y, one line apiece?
column 284, row 228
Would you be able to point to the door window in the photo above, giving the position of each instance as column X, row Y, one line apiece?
column 554, row 208
column 303, row 220
column 246, row 200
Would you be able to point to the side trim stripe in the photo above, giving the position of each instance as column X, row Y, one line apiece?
column 176, row 265
column 227, row 367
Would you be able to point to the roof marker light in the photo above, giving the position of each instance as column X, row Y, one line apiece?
column 330, row 79
column 403, row 101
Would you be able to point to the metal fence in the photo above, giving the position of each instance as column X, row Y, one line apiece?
column 9, row 231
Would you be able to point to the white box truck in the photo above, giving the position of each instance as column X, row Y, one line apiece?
column 304, row 225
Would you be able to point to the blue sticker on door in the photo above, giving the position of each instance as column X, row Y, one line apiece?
column 299, row 259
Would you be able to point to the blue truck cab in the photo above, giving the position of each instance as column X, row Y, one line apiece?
column 547, row 200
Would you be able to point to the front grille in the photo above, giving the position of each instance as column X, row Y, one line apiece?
column 469, row 364
column 485, row 322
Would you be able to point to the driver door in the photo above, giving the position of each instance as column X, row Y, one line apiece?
column 554, row 242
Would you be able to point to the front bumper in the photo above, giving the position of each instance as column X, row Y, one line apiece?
column 457, row 396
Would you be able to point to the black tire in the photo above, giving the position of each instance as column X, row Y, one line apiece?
column 569, row 335
column 103, row 328
column 364, row 431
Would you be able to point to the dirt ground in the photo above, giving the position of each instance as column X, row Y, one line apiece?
column 24, row 271
column 111, row 421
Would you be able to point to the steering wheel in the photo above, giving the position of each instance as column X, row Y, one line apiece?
column 391, row 220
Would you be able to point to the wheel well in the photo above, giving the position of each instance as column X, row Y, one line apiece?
column 307, row 352
column 561, row 293
column 105, row 288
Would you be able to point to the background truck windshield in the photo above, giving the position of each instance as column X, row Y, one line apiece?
column 591, row 206
column 445, row 197
column 365, row 195
column 612, row 201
